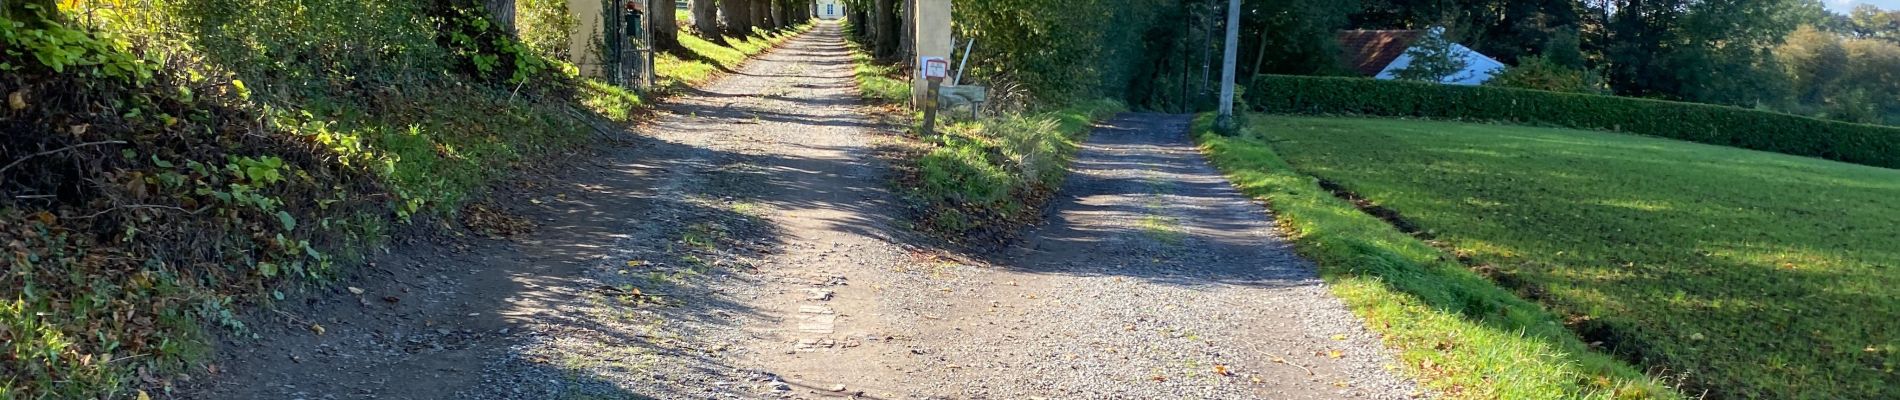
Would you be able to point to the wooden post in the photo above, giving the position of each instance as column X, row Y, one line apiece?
column 930, row 106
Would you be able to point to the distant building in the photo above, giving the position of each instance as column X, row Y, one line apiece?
column 1380, row 53
column 829, row 9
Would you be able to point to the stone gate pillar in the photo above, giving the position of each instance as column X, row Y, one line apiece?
column 932, row 34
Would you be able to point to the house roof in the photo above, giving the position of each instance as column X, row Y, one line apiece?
column 1369, row 51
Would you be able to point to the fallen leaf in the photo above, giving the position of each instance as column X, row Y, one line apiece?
column 17, row 100
column 636, row 263
column 1221, row 369
column 1159, row 378
column 1339, row 337
column 356, row 290
column 316, row 328
column 1335, row 354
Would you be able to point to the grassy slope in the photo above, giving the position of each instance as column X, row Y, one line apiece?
column 1459, row 333
column 995, row 172
column 1750, row 273
column 702, row 60
column 987, row 176
column 259, row 158
column 878, row 83
column 1753, row 273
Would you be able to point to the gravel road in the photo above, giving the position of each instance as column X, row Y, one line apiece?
column 746, row 247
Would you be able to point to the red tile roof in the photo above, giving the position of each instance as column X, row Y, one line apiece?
column 1368, row 52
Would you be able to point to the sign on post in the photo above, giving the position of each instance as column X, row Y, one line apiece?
column 934, row 70
column 934, row 67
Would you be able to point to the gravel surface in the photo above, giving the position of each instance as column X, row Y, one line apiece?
column 746, row 247
column 1156, row 279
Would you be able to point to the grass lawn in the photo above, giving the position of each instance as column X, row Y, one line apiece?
column 1747, row 274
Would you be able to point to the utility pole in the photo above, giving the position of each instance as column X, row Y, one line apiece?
column 1228, row 57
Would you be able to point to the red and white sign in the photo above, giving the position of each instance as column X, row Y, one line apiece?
column 935, row 67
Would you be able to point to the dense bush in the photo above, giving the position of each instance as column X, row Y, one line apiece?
column 1541, row 73
column 1718, row 125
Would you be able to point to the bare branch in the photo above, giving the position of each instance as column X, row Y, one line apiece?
column 30, row 156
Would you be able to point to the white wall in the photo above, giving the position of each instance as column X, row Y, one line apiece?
column 830, row 9
column 1478, row 67
column 586, row 31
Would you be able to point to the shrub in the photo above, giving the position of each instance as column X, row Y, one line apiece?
column 1540, row 73
column 1718, row 125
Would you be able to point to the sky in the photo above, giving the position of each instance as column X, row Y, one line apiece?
column 1845, row 5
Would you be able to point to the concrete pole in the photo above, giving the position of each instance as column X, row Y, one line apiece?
column 932, row 40
column 1228, row 55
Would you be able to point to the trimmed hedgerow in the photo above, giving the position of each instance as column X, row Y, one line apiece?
column 1719, row 125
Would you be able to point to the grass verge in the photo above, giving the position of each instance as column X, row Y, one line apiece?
column 989, row 175
column 701, row 60
column 1459, row 333
column 1746, row 273
column 878, row 83
column 171, row 164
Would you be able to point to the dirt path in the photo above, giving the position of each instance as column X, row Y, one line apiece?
column 746, row 247
column 1154, row 278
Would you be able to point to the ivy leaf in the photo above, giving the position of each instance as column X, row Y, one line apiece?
column 290, row 222
column 268, row 269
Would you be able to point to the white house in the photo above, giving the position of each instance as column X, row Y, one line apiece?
column 829, row 9
column 1381, row 53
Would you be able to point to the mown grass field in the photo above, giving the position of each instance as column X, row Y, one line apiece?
column 1743, row 273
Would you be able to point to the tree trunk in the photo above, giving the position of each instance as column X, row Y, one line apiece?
column 503, row 12
column 854, row 15
column 738, row 21
column 663, row 19
column 706, row 20
column 778, row 14
column 887, row 29
column 762, row 14
column 907, row 35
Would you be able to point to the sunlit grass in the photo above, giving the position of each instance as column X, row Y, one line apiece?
column 878, row 82
column 704, row 60
column 1747, row 273
column 1460, row 334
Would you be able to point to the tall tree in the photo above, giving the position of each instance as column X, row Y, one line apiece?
column 762, row 14
column 1640, row 34
column 907, row 40
column 1815, row 61
column 663, row 19
column 1293, row 36
column 1868, row 21
column 856, row 20
column 1434, row 58
column 738, row 17
column 885, row 40
column 706, row 20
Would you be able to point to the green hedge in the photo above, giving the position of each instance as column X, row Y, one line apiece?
column 1719, row 125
